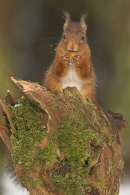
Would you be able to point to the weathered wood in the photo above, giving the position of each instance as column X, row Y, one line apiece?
column 61, row 144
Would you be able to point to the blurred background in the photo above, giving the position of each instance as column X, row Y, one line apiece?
column 29, row 33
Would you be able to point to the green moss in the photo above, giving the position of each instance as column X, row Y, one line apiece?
column 30, row 121
column 35, row 183
column 48, row 154
column 74, row 137
column 115, row 167
column 32, row 183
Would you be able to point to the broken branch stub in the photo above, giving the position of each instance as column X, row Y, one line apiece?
column 61, row 144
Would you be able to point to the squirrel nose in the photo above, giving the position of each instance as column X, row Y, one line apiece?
column 72, row 47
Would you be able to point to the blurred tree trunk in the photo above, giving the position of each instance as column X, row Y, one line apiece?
column 61, row 144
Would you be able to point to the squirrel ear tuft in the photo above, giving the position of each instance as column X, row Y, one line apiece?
column 82, row 22
column 67, row 20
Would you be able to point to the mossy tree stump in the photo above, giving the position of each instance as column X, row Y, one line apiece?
column 61, row 144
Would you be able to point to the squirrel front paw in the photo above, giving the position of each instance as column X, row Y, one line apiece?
column 70, row 60
column 65, row 59
column 77, row 59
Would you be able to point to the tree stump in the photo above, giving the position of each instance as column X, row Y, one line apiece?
column 61, row 144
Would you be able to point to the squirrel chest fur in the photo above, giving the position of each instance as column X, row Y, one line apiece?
column 72, row 66
column 71, row 78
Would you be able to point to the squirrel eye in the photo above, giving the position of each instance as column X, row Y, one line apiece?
column 82, row 37
column 64, row 36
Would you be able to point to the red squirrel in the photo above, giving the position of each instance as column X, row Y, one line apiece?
column 72, row 66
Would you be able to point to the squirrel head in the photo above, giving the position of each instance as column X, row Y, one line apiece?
column 74, row 34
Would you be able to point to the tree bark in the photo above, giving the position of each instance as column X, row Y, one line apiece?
column 61, row 144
